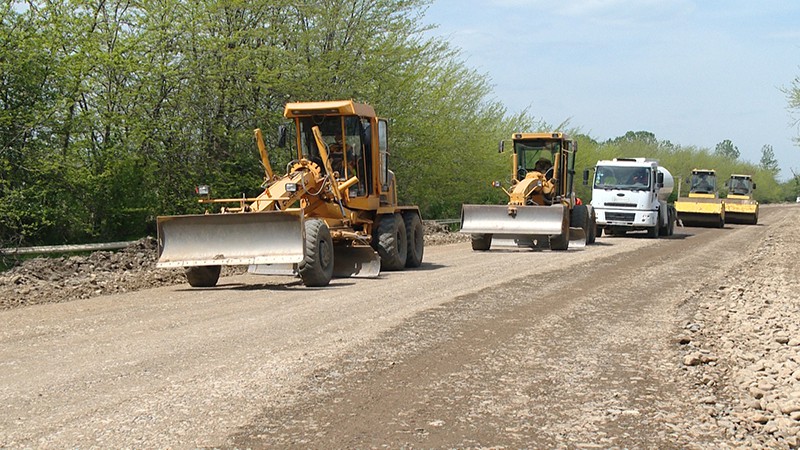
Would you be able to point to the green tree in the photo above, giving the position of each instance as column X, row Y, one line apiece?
column 727, row 149
column 768, row 161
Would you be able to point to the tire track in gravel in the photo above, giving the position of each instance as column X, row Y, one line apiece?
column 581, row 357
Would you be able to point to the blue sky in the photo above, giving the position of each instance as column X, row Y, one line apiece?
column 693, row 72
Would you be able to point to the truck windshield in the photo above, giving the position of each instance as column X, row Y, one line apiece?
column 621, row 177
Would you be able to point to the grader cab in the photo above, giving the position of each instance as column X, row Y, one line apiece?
column 334, row 212
column 542, row 210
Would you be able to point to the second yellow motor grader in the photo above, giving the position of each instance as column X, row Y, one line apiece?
column 334, row 212
column 542, row 210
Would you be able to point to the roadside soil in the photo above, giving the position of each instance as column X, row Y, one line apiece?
column 687, row 342
column 59, row 279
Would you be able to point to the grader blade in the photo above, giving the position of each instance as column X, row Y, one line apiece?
column 355, row 262
column 274, row 237
column 524, row 220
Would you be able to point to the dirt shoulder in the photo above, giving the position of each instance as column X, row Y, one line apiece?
column 54, row 280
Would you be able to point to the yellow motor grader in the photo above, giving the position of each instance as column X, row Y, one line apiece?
column 740, row 207
column 542, row 211
column 334, row 212
column 702, row 207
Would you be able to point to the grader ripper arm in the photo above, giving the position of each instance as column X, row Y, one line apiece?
column 316, row 221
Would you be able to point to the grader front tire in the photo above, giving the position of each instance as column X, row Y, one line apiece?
column 481, row 242
column 316, row 269
column 203, row 276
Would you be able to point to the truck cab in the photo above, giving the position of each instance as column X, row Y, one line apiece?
column 630, row 194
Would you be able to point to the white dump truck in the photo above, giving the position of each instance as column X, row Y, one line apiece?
column 630, row 194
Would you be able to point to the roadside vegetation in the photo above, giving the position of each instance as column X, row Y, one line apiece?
column 111, row 112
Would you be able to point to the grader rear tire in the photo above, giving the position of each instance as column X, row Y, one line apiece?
column 203, row 276
column 390, row 242
column 415, row 237
column 316, row 268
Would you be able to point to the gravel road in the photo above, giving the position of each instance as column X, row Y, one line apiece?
column 690, row 341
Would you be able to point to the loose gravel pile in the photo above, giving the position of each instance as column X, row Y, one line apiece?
column 53, row 280
column 743, row 346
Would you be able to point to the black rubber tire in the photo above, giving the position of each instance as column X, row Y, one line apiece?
column 579, row 217
column 390, row 242
column 481, row 242
column 652, row 233
column 755, row 219
column 591, row 233
column 598, row 231
column 664, row 231
column 316, row 268
column 415, row 237
column 203, row 276
column 560, row 242
column 672, row 219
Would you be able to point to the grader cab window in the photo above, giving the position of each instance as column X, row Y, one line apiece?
column 343, row 137
column 535, row 155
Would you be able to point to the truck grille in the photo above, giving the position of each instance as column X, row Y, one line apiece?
column 622, row 217
column 619, row 205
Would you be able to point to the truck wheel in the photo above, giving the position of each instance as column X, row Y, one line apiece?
column 652, row 232
column 598, row 231
column 481, row 242
column 671, row 225
column 390, row 242
column 591, row 233
column 415, row 237
column 316, row 268
column 664, row 231
column 202, row 276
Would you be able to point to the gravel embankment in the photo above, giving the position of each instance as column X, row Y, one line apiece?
column 743, row 345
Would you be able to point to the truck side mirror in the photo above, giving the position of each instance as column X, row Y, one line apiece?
column 501, row 147
column 754, row 186
column 585, row 177
column 282, row 136
column 660, row 178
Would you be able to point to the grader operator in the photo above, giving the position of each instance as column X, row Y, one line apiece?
column 542, row 209
column 334, row 212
